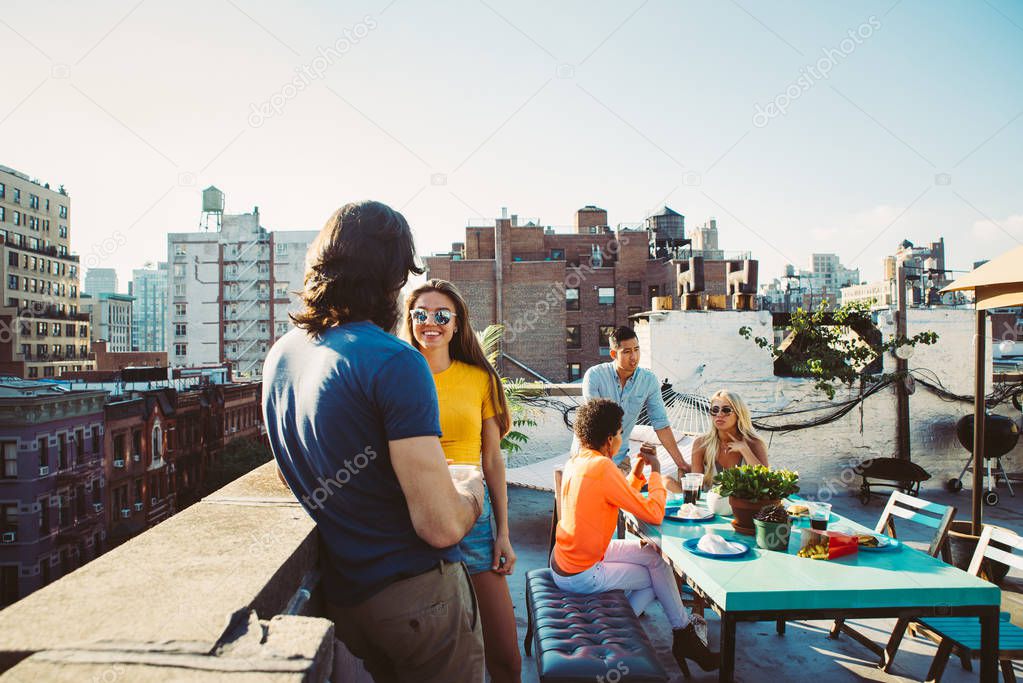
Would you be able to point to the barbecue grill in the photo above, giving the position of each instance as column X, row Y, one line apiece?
column 1001, row 436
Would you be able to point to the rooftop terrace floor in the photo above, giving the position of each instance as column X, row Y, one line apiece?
column 805, row 652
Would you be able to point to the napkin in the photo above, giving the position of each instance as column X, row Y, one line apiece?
column 716, row 545
column 690, row 511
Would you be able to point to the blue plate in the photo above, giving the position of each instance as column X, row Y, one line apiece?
column 670, row 510
column 691, row 543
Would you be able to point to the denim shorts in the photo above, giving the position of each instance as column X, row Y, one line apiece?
column 478, row 545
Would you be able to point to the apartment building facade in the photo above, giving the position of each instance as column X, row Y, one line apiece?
column 51, row 500
column 560, row 295
column 110, row 319
column 100, row 281
column 230, row 292
column 42, row 331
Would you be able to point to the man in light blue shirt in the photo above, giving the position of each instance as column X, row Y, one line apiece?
column 632, row 388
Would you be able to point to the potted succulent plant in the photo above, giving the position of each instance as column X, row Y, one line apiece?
column 751, row 487
column 773, row 528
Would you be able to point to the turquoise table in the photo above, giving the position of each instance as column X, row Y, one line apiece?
column 769, row 585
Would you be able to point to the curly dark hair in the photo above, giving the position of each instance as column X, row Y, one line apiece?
column 356, row 267
column 596, row 421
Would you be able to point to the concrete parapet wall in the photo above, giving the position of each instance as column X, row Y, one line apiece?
column 200, row 592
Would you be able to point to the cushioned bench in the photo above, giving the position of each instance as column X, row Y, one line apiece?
column 586, row 637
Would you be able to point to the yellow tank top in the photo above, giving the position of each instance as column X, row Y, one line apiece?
column 464, row 399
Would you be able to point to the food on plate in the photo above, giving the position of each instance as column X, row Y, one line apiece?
column 717, row 545
column 868, row 541
column 798, row 510
column 815, row 551
column 690, row 511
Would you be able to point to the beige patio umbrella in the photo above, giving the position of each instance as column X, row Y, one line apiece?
column 995, row 284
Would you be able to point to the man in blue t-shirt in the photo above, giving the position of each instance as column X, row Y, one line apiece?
column 351, row 414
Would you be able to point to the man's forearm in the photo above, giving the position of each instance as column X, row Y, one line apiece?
column 667, row 439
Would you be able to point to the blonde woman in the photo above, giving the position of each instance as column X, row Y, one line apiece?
column 731, row 440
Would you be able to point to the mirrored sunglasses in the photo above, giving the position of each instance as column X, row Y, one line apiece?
column 441, row 316
column 723, row 410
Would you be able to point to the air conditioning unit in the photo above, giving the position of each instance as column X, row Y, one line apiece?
column 98, row 507
column 126, row 513
column 44, row 471
column 8, row 537
column 137, row 457
column 119, row 463
column 138, row 506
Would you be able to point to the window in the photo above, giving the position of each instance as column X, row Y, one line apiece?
column 17, row 218
column 33, row 372
column 180, row 309
column 63, row 211
column 179, row 289
column 44, row 452
column 573, row 337
column 604, row 332
column 181, row 349
column 33, row 201
column 10, row 455
column 61, row 231
column 574, row 372
column 605, row 295
column 62, row 444
column 157, row 443
column 180, row 329
column 635, row 287
column 95, row 430
column 557, row 254
column 9, row 517
column 281, row 247
column 3, row 191
column 12, row 282
column 3, row 215
column 572, row 299
column 17, row 196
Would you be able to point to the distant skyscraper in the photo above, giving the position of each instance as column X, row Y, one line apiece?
column 100, row 281
column 150, row 313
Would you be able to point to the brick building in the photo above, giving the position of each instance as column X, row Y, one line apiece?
column 51, row 501
column 560, row 294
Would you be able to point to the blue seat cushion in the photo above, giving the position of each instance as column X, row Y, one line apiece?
column 587, row 637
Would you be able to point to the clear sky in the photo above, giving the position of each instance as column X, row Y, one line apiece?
column 451, row 110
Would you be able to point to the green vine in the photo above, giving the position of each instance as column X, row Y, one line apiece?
column 514, row 392
column 832, row 346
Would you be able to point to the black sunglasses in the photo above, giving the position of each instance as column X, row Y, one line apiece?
column 441, row 316
column 724, row 410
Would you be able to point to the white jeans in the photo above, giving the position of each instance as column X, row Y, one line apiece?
column 639, row 571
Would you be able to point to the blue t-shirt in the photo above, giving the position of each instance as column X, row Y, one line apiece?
column 331, row 404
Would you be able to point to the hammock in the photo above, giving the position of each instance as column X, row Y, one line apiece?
column 687, row 414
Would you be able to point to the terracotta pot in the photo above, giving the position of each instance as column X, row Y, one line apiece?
column 744, row 509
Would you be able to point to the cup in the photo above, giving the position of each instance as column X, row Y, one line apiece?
column 820, row 513
column 692, row 484
column 460, row 472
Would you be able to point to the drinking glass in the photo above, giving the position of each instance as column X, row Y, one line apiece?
column 692, row 484
column 820, row 513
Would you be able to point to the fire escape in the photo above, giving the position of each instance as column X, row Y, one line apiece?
column 80, row 511
column 246, row 298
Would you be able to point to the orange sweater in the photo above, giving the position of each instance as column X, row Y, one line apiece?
column 591, row 495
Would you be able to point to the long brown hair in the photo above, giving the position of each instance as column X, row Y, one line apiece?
column 464, row 345
column 356, row 267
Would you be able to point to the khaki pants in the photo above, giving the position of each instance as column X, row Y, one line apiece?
column 426, row 628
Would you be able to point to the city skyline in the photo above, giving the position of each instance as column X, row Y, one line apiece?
column 900, row 121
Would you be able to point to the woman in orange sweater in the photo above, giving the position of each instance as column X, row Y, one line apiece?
column 585, row 558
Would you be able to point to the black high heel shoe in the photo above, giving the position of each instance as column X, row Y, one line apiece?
column 686, row 644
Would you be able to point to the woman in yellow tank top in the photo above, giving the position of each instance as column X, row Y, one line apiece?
column 474, row 417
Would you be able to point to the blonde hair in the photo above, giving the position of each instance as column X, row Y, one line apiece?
column 712, row 442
